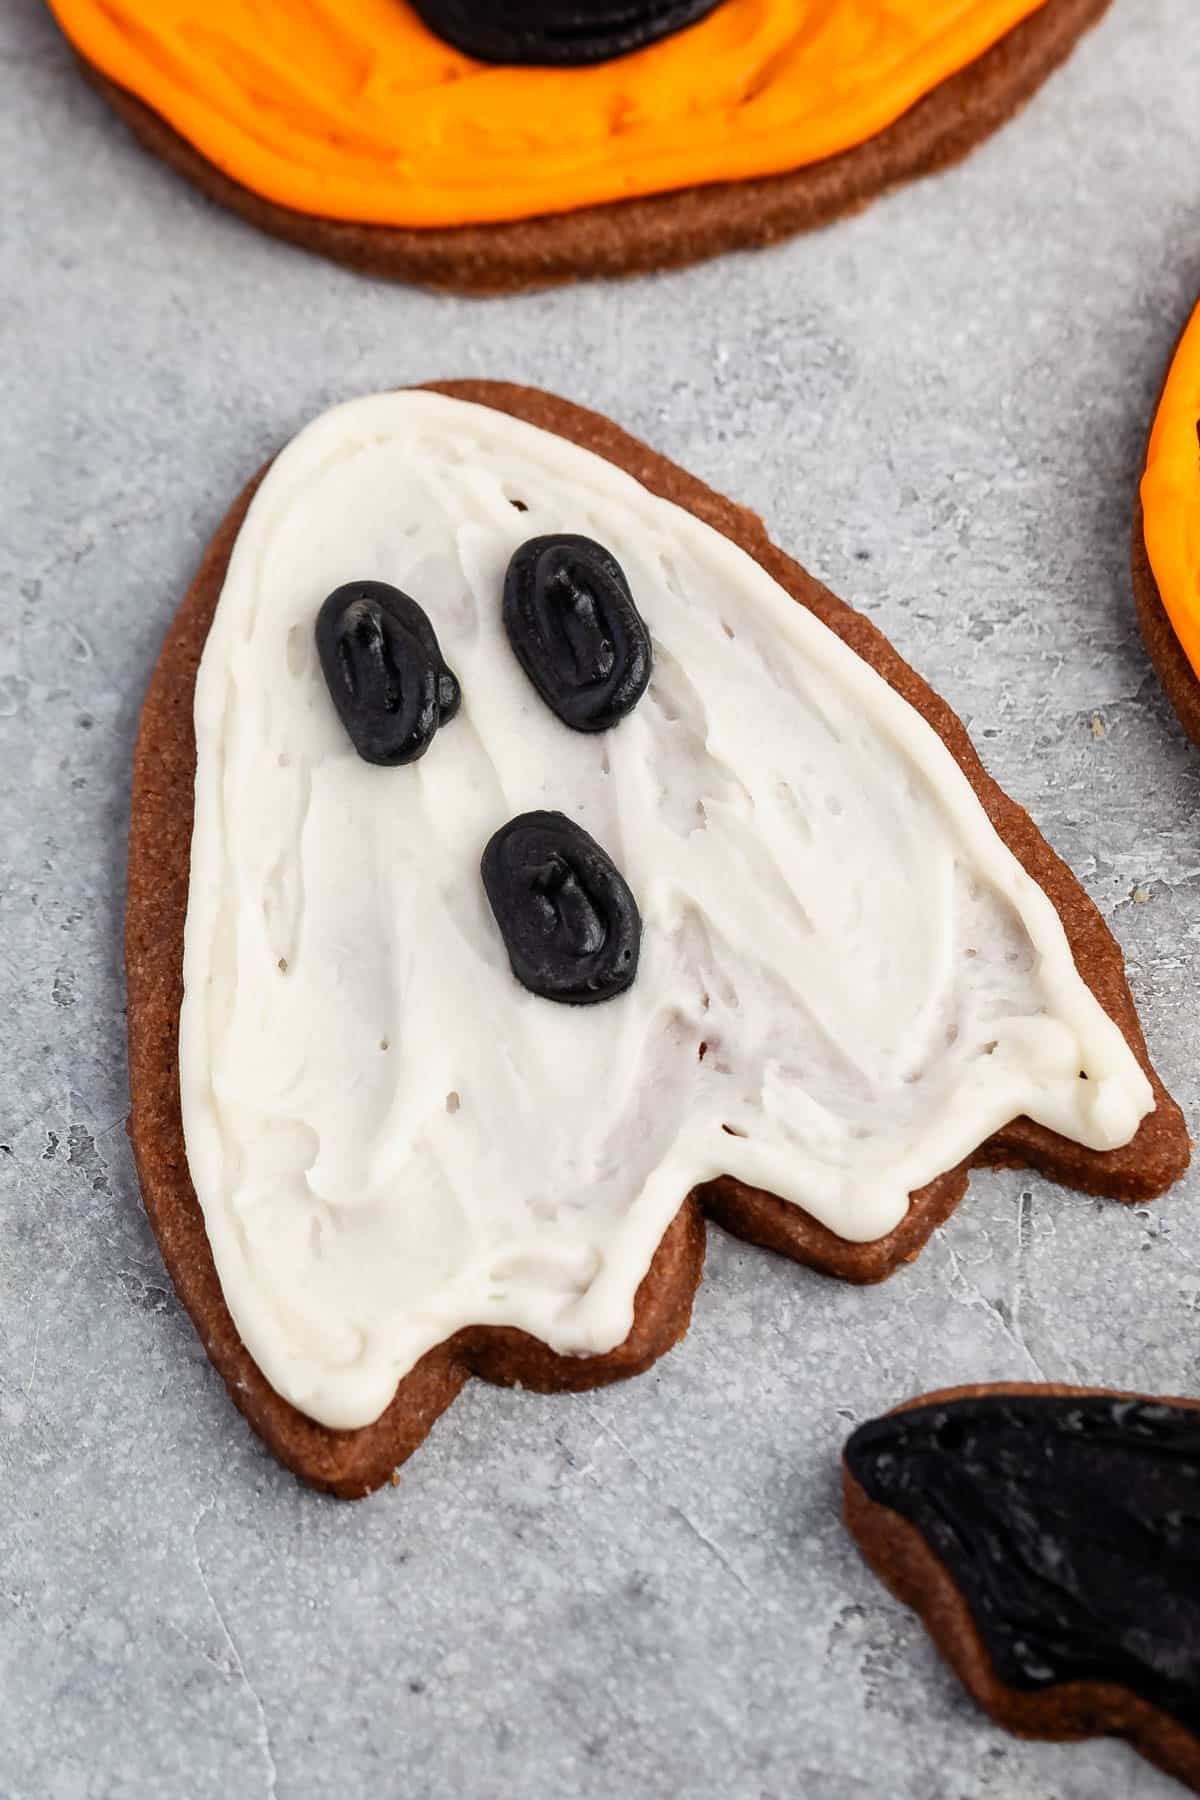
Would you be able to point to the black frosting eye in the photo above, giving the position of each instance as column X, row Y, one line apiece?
column 576, row 630
column 569, row 922
column 557, row 32
column 385, row 671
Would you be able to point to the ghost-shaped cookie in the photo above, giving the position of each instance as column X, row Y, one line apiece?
column 848, row 984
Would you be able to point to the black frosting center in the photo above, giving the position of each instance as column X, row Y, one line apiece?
column 562, row 33
column 1070, row 1525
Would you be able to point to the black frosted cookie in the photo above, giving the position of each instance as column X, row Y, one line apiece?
column 1050, row 1539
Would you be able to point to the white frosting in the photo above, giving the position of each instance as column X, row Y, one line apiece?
column 390, row 1138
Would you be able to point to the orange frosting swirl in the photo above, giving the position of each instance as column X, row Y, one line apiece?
column 354, row 110
column 1171, row 493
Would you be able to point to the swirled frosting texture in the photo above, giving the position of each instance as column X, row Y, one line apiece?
column 390, row 1137
column 1171, row 494
column 353, row 109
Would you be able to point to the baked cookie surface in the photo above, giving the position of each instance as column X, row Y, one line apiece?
column 362, row 134
column 987, row 958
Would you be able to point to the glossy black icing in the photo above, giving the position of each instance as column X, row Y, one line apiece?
column 557, row 33
column 569, row 922
column 575, row 629
column 1069, row 1524
column 385, row 671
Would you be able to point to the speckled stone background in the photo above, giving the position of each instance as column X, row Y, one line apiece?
column 644, row 1592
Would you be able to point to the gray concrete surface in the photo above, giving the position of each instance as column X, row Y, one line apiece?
column 644, row 1592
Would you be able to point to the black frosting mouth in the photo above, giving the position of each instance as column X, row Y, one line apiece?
column 557, row 33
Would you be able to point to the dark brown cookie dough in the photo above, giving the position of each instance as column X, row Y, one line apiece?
column 662, row 231
column 1166, row 652
column 354, row 1462
column 901, row 1555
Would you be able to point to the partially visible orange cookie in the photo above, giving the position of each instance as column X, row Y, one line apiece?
column 1166, row 533
column 364, row 135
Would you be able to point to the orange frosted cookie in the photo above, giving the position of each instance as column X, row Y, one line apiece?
column 1166, row 560
column 367, row 130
